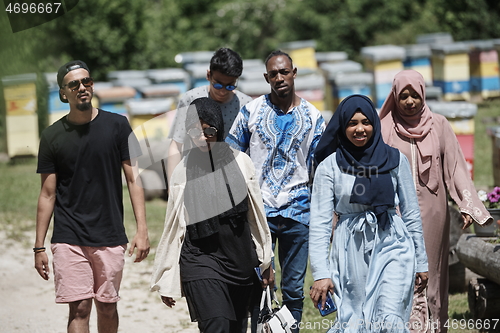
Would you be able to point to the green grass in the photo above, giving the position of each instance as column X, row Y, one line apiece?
column 20, row 186
column 459, row 313
column 18, row 198
column 155, row 215
column 485, row 118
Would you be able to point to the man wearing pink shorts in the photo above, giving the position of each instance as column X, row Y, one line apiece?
column 80, row 160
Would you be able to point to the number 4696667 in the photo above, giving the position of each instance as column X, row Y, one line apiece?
column 32, row 8
column 471, row 324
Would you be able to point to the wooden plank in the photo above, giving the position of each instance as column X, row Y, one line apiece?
column 480, row 256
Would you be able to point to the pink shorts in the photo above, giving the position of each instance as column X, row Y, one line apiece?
column 83, row 272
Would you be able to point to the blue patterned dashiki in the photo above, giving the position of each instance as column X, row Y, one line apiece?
column 281, row 146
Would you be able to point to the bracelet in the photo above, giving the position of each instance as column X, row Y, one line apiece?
column 38, row 249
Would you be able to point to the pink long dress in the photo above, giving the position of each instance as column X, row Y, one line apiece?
column 438, row 168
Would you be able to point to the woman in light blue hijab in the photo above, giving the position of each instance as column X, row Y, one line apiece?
column 377, row 254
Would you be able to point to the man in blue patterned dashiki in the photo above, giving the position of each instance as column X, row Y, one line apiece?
column 279, row 131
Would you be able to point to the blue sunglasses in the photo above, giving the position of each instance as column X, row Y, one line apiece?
column 219, row 86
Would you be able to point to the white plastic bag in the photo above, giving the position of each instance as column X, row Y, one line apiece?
column 277, row 320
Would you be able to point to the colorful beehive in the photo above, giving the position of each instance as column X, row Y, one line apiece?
column 450, row 66
column 253, row 69
column 438, row 38
column 484, row 74
column 195, row 57
column 253, row 64
column 330, row 57
column 56, row 108
column 196, row 64
column 384, row 62
column 160, row 90
column 113, row 99
column 252, row 81
column 461, row 118
column 346, row 66
column 150, row 118
column 497, row 47
column 129, row 78
column 418, row 57
column 303, row 54
column 254, row 87
column 21, row 124
column 198, row 74
column 176, row 76
column 332, row 90
column 346, row 84
column 311, row 87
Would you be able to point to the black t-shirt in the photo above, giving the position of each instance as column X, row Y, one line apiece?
column 87, row 160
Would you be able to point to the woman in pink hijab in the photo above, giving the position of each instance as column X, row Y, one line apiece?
column 439, row 168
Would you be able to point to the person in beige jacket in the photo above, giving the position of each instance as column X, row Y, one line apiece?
column 215, row 232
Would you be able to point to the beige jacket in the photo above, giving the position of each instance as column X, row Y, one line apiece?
column 166, row 271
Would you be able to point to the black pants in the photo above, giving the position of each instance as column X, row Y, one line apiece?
column 220, row 325
column 218, row 306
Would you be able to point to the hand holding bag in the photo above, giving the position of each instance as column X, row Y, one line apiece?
column 277, row 320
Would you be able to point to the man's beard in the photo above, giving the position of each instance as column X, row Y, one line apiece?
column 84, row 106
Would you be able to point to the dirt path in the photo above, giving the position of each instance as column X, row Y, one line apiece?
column 27, row 301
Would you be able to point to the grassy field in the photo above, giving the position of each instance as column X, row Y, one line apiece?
column 20, row 186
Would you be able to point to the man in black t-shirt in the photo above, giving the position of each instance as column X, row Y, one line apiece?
column 80, row 160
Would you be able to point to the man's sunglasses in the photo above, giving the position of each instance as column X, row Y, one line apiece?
column 209, row 132
column 219, row 86
column 75, row 84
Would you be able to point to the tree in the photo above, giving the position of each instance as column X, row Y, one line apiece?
column 469, row 19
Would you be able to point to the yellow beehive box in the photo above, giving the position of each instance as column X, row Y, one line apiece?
column 451, row 67
column 303, row 53
column 151, row 118
column 484, row 69
column 22, row 135
column 21, row 114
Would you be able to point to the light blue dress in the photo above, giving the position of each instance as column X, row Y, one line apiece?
column 373, row 270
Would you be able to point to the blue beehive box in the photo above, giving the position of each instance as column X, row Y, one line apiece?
column 56, row 108
column 346, row 84
column 384, row 62
column 176, row 76
column 113, row 99
column 450, row 65
column 198, row 74
column 418, row 57
column 484, row 73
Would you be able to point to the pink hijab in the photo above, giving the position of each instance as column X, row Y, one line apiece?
column 418, row 126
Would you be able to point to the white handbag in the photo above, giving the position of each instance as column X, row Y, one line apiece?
column 277, row 320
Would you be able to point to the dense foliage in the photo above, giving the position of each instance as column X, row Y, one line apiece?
column 140, row 34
